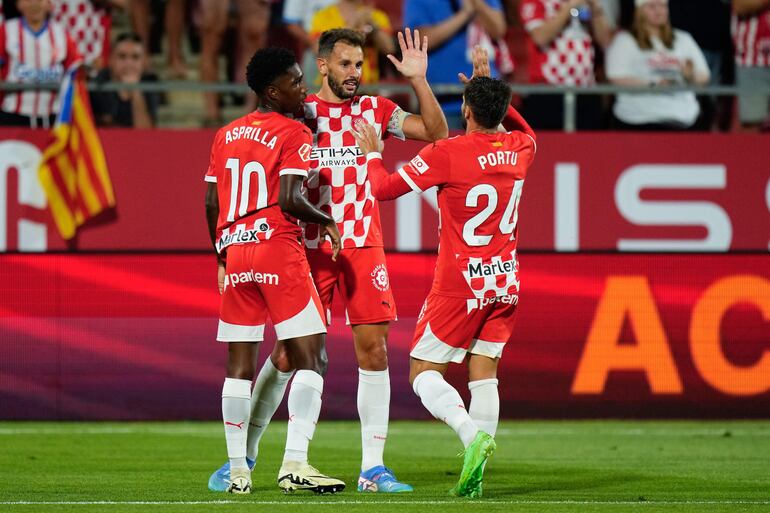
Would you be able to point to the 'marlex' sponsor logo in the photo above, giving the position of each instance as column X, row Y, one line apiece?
column 497, row 267
column 344, row 156
column 234, row 279
column 243, row 236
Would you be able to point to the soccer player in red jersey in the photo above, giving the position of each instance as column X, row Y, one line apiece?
column 469, row 312
column 254, row 200
column 337, row 184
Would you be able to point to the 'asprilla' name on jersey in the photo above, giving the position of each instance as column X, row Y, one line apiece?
column 248, row 158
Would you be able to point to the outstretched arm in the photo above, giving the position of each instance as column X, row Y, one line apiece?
column 431, row 124
column 513, row 120
column 385, row 186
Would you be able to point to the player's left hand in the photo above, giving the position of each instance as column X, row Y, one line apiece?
column 366, row 137
column 332, row 232
column 414, row 55
column 480, row 59
column 221, row 276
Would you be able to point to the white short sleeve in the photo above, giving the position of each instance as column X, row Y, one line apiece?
column 621, row 57
column 692, row 51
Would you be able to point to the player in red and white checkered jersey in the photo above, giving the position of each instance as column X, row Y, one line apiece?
column 469, row 312
column 256, row 173
column 751, row 34
column 561, row 52
column 33, row 49
column 339, row 186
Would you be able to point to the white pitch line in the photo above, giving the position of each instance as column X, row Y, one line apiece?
column 333, row 502
column 208, row 431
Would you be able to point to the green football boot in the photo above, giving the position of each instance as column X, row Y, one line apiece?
column 474, row 458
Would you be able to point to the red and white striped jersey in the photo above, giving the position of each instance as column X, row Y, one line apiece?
column 338, row 183
column 28, row 57
column 751, row 35
column 248, row 158
column 480, row 177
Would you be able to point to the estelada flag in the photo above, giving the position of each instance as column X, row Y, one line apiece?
column 73, row 171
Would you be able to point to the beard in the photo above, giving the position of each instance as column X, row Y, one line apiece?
column 338, row 87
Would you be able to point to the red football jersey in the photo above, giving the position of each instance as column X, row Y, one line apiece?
column 338, row 182
column 480, row 178
column 248, row 158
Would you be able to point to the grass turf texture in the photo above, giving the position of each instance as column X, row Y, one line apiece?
column 602, row 466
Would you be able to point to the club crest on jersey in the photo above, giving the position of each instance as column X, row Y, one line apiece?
column 380, row 278
column 419, row 164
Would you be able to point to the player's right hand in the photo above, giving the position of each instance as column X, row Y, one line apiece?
column 221, row 276
column 331, row 231
column 480, row 59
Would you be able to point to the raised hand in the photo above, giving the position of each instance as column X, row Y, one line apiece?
column 480, row 60
column 414, row 55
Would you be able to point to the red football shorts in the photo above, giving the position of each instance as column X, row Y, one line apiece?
column 270, row 278
column 362, row 279
column 449, row 328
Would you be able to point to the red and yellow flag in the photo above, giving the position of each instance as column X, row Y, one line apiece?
column 73, row 171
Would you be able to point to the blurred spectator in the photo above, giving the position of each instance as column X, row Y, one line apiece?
column 253, row 18
column 361, row 17
column 453, row 28
column 751, row 33
column 33, row 49
column 298, row 17
column 88, row 22
column 652, row 55
column 131, row 107
column 708, row 22
column 561, row 52
column 174, row 26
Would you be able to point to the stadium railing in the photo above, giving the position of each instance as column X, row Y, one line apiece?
column 569, row 93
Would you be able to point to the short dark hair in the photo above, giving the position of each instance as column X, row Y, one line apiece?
column 488, row 98
column 127, row 36
column 266, row 65
column 340, row 35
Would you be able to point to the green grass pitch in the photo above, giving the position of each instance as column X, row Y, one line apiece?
column 554, row 466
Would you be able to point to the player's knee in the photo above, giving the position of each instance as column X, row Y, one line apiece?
column 375, row 359
column 321, row 363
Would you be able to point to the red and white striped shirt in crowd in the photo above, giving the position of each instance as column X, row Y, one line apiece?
column 751, row 35
column 28, row 57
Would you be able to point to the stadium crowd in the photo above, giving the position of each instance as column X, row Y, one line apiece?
column 645, row 44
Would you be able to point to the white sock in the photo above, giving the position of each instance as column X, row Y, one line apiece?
column 235, row 413
column 485, row 404
column 304, row 407
column 265, row 398
column 444, row 402
column 373, row 410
